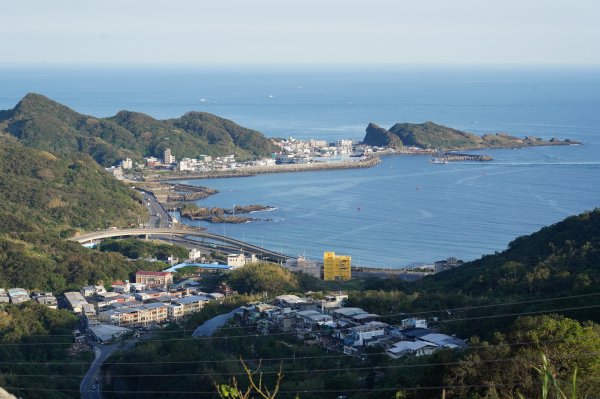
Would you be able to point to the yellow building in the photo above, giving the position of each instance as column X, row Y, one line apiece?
column 336, row 267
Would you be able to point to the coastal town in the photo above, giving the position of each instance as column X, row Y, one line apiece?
column 128, row 309
column 293, row 154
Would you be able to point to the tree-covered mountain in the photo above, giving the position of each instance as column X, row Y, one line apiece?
column 429, row 135
column 40, row 122
column 45, row 198
column 558, row 259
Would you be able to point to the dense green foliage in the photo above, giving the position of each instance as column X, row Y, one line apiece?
column 42, row 123
column 380, row 137
column 43, row 199
column 433, row 136
column 559, row 259
column 138, row 249
column 27, row 362
column 567, row 344
column 503, row 366
column 273, row 279
column 42, row 262
column 40, row 191
column 263, row 277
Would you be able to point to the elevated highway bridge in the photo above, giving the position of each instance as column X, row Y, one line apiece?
column 262, row 253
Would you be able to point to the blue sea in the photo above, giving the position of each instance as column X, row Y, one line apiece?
column 404, row 211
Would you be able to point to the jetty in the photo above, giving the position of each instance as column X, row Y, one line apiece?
column 256, row 170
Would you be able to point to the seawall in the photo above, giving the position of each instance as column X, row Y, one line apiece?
column 256, row 170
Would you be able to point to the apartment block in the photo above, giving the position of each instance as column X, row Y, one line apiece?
column 336, row 267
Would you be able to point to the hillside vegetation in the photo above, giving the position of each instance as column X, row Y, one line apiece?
column 429, row 135
column 29, row 367
column 39, row 122
column 558, row 259
column 44, row 199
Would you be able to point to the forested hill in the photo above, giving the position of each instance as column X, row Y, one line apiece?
column 42, row 192
column 430, row 135
column 44, row 198
column 561, row 259
column 40, row 122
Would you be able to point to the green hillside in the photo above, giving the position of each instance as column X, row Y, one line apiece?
column 558, row 259
column 44, row 198
column 39, row 122
column 429, row 135
column 42, row 192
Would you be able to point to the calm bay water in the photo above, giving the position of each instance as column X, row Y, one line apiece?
column 404, row 210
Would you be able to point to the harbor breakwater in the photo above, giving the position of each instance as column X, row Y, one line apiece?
column 256, row 170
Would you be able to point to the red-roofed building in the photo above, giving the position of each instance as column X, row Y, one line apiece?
column 154, row 279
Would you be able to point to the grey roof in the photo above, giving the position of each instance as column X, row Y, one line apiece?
column 192, row 299
column 349, row 311
column 105, row 332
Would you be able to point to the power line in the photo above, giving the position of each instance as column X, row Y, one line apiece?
column 255, row 335
column 388, row 315
column 492, row 305
column 299, row 391
column 276, row 359
column 292, row 371
column 518, row 314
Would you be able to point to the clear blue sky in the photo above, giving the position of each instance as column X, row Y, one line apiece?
column 305, row 31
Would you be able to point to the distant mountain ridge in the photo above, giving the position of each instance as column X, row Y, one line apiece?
column 42, row 123
column 430, row 135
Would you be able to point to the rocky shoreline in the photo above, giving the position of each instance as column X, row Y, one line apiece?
column 221, row 215
column 186, row 193
column 456, row 157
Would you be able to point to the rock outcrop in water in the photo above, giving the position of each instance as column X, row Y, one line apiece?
column 429, row 135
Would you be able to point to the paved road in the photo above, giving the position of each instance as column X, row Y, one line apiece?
column 209, row 327
column 158, row 216
column 180, row 231
column 102, row 352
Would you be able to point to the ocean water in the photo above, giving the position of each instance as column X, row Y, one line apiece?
column 405, row 210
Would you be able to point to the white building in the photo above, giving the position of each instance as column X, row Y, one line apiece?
column 127, row 163
column 186, row 305
column 413, row 322
column 187, row 164
column 135, row 315
column 121, row 287
column 358, row 334
column 47, row 299
column 194, row 254
column 418, row 348
column 333, row 300
column 106, row 332
column 3, row 296
column 75, row 301
column 303, row 265
column 236, row 260
column 18, row 295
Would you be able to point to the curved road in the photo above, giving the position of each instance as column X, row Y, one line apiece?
column 178, row 231
column 209, row 327
column 102, row 352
